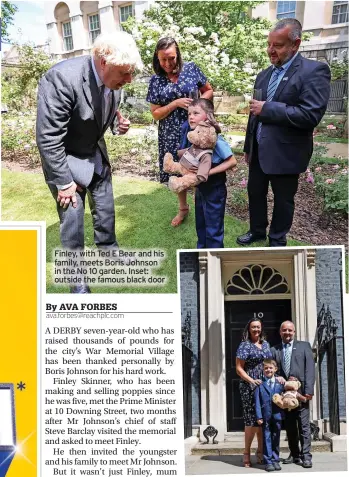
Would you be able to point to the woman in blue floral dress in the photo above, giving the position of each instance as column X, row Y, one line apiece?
column 249, row 366
column 170, row 92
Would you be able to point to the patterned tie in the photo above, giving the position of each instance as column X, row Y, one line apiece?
column 107, row 104
column 287, row 359
column 101, row 95
column 273, row 84
column 98, row 161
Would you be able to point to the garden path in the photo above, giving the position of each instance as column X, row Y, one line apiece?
column 334, row 148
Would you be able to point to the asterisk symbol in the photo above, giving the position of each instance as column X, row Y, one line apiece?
column 21, row 386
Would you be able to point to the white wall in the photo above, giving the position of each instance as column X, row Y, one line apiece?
column 314, row 15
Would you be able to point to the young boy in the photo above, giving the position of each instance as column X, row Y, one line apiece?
column 210, row 196
column 269, row 415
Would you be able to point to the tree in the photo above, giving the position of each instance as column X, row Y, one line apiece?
column 339, row 68
column 8, row 10
column 19, row 84
column 221, row 37
column 211, row 16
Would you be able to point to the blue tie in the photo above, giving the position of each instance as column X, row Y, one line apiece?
column 287, row 359
column 273, row 84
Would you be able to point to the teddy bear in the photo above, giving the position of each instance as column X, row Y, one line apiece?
column 290, row 398
column 195, row 162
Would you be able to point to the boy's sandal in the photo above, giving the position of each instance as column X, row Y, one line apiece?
column 182, row 214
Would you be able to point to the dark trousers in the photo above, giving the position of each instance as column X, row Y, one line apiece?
column 271, row 440
column 101, row 201
column 284, row 189
column 210, row 198
column 297, row 426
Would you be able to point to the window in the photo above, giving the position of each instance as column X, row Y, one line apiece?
column 257, row 279
column 94, row 26
column 340, row 12
column 125, row 12
column 286, row 10
column 67, row 37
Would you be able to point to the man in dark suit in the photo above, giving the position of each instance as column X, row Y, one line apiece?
column 295, row 358
column 269, row 415
column 279, row 136
column 77, row 102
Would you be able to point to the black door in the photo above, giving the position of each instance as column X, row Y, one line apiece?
column 237, row 314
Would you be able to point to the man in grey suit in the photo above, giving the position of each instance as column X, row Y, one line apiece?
column 77, row 102
column 295, row 358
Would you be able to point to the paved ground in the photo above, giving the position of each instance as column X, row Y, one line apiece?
column 336, row 149
column 232, row 464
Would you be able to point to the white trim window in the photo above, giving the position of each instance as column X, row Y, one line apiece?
column 125, row 12
column 286, row 10
column 67, row 36
column 94, row 26
column 340, row 12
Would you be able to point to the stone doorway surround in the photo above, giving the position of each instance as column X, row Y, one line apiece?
column 216, row 267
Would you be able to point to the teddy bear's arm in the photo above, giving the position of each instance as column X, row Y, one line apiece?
column 181, row 152
column 204, row 167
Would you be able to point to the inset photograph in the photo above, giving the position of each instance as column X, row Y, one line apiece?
column 153, row 125
column 263, row 360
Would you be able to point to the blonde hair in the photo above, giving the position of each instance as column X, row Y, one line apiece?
column 118, row 48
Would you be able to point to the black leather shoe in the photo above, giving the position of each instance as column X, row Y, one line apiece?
column 269, row 468
column 292, row 460
column 249, row 238
column 307, row 464
column 277, row 243
column 80, row 289
column 277, row 466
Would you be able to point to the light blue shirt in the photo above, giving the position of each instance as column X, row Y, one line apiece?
column 284, row 69
column 221, row 151
column 98, row 79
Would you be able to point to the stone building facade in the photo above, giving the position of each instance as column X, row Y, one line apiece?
column 326, row 20
column 221, row 290
column 72, row 26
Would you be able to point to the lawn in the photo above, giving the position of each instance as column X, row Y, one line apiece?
column 143, row 213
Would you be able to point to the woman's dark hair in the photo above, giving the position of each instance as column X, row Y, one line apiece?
column 246, row 336
column 163, row 44
column 208, row 107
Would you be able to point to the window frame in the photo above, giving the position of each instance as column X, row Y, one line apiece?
column 91, row 32
column 288, row 13
column 126, row 5
column 340, row 13
column 66, row 37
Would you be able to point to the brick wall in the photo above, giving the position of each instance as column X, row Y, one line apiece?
column 190, row 307
column 328, row 292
